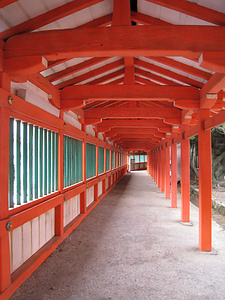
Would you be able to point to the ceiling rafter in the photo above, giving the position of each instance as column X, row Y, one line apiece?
column 48, row 17
column 4, row 3
column 168, row 73
column 182, row 67
column 194, row 10
column 78, row 67
column 146, row 20
column 93, row 73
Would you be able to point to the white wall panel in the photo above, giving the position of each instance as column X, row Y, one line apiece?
column 99, row 188
column 30, row 237
column 89, row 196
column 71, row 209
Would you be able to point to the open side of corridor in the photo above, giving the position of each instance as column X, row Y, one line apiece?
column 132, row 246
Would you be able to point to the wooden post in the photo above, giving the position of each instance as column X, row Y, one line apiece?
column 185, row 177
column 173, row 175
column 5, row 272
column 158, row 167
column 59, row 210
column 83, row 194
column 167, row 172
column 162, row 170
column 205, row 183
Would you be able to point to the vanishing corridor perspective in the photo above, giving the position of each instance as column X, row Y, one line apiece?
column 89, row 91
column 132, row 246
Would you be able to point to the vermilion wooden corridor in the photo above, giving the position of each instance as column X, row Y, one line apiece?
column 82, row 84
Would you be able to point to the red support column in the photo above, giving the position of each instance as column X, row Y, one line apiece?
column 167, row 172
column 83, row 194
column 185, row 177
column 59, row 228
column 5, row 272
column 173, row 175
column 205, row 183
column 162, row 170
column 158, row 168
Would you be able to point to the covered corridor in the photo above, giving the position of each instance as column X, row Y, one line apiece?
column 132, row 246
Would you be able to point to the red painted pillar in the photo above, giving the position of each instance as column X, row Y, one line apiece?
column 205, row 183
column 167, row 172
column 59, row 210
column 173, row 175
column 185, row 177
column 158, row 168
column 5, row 274
column 162, row 169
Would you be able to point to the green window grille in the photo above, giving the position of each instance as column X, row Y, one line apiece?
column 33, row 162
column 90, row 160
column 100, row 160
column 72, row 161
column 107, row 159
column 118, row 159
column 145, row 158
column 142, row 158
column 131, row 157
column 136, row 158
column 112, row 160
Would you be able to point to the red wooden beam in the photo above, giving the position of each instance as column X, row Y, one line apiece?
column 194, row 10
column 130, row 112
column 131, row 123
column 118, row 41
column 212, row 61
column 215, row 120
column 4, row 3
column 133, row 92
column 81, row 66
column 48, row 17
column 167, row 73
column 88, row 75
column 146, row 20
column 41, row 82
column 139, row 79
column 152, row 76
column 109, row 77
column 182, row 67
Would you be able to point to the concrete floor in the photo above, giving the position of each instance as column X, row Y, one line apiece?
column 132, row 246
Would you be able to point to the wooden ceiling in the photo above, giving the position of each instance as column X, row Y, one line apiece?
column 136, row 76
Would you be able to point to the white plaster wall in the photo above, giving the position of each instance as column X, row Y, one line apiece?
column 89, row 196
column 90, row 130
column 100, row 136
column 72, row 119
column 99, row 188
column 30, row 237
column 71, row 209
column 107, row 184
column 32, row 94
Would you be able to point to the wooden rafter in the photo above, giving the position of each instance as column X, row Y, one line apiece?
column 48, row 17
column 194, row 10
column 4, row 3
column 89, row 75
column 152, row 76
column 167, row 73
column 182, row 67
column 76, row 68
column 146, row 20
